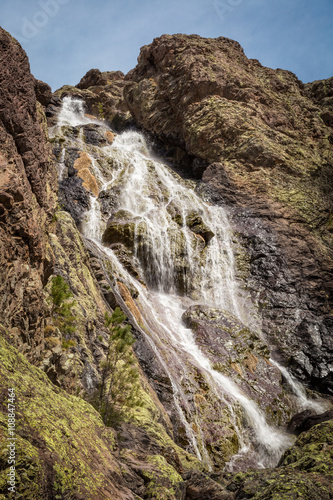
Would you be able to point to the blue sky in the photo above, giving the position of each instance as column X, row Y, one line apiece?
column 65, row 38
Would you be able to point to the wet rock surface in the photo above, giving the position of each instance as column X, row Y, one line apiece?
column 303, row 421
column 290, row 276
column 240, row 354
column 196, row 225
column 73, row 197
column 122, row 229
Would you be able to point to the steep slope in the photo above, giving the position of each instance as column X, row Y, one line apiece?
column 57, row 454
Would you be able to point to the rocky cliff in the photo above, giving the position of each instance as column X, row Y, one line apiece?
column 253, row 139
column 28, row 198
column 260, row 141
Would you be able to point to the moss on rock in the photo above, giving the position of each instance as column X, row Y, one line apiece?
column 62, row 446
column 304, row 471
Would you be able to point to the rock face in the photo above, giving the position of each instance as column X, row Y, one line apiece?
column 38, row 242
column 290, row 274
column 241, row 355
column 262, row 142
column 27, row 198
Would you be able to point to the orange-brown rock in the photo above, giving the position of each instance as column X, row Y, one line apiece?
column 126, row 295
column 237, row 368
column 251, row 362
column 109, row 136
column 84, row 165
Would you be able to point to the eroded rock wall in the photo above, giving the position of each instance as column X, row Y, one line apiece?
column 28, row 197
column 63, row 448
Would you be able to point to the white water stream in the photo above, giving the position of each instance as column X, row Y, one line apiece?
column 159, row 205
column 304, row 402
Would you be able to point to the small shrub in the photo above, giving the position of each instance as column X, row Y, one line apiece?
column 120, row 375
column 52, row 342
column 61, row 306
column 49, row 329
column 100, row 109
column 66, row 344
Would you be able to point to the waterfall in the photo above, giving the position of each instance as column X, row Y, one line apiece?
column 72, row 113
column 183, row 253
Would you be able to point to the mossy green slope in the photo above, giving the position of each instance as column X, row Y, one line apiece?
column 63, row 448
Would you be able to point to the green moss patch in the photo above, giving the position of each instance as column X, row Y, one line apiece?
column 62, row 446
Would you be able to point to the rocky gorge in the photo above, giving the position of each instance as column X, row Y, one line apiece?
column 195, row 193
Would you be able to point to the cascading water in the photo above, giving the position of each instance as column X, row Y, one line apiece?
column 72, row 113
column 183, row 253
column 303, row 401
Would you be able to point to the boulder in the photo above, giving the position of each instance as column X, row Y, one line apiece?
column 83, row 165
column 197, row 226
column 303, row 421
column 123, row 228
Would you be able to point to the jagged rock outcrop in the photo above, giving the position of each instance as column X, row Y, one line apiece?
column 43, row 92
column 28, row 197
column 206, row 97
column 103, row 96
column 262, row 142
